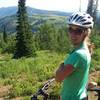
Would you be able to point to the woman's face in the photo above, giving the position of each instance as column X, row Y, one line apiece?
column 76, row 34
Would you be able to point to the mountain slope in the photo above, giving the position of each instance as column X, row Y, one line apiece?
column 8, row 11
column 35, row 21
column 36, row 18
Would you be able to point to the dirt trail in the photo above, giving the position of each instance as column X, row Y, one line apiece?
column 4, row 91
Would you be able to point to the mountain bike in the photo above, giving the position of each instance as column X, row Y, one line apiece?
column 42, row 91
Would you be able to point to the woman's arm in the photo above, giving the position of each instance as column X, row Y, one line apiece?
column 63, row 71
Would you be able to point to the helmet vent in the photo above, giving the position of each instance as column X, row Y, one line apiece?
column 89, row 17
column 83, row 20
column 75, row 16
column 86, row 23
column 80, row 17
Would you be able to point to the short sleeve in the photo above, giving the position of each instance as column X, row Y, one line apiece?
column 74, row 59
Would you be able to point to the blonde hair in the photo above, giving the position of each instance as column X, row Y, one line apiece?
column 90, row 45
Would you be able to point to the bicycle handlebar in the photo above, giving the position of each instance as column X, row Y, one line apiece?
column 96, row 89
column 46, row 86
column 42, row 90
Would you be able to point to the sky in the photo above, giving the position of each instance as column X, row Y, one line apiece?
column 56, row 5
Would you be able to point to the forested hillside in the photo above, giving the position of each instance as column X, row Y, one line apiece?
column 9, row 11
column 35, row 21
column 8, row 18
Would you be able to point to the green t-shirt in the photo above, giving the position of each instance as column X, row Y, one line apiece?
column 74, row 86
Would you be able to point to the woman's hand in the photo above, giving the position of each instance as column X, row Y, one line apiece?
column 92, row 85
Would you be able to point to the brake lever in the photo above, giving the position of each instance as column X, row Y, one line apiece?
column 42, row 90
column 46, row 86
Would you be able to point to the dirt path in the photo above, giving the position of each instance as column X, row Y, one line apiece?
column 4, row 91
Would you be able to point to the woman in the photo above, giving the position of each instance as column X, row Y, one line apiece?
column 74, row 71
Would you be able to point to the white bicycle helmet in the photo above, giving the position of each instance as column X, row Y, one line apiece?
column 81, row 19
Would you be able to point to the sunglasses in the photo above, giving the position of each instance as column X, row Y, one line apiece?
column 77, row 31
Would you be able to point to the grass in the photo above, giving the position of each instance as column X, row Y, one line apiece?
column 26, row 75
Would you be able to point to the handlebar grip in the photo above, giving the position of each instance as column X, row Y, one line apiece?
column 94, row 89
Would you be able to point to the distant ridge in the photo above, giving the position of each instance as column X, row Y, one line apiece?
column 8, row 11
column 36, row 18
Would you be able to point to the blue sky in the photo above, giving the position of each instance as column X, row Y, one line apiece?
column 57, row 5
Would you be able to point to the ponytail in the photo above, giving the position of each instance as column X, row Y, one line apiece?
column 90, row 45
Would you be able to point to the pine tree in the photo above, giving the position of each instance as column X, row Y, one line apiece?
column 24, row 37
column 44, row 36
column 4, row 34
